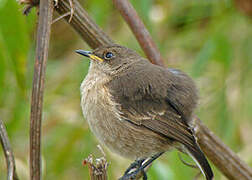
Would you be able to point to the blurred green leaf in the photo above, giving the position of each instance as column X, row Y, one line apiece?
column 16, row 39
column 100, row 11
column 223, row 51
column 160, row 170
column 143, row 8
column 202, row 58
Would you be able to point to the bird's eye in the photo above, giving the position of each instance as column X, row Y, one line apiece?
column 109, row 55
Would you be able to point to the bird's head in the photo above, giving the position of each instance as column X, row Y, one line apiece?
column 111, row 59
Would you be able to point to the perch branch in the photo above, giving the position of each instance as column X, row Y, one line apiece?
column 141, row 33
column 9, row 157
column 43, row 37
column 219, row 154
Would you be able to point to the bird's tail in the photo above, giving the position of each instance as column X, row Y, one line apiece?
column 201, row 161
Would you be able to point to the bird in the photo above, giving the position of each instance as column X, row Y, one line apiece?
column 139, row 110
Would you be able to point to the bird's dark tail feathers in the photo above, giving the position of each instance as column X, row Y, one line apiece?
column 201, row 161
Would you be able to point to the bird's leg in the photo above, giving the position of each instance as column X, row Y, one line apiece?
column 132, row 175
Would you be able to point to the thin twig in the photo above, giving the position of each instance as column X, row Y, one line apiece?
column 141, row 33
column 43, row 36
column 8, row 153
column 186, row 163
column 62, row 16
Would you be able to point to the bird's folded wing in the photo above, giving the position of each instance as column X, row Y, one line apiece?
column 166, row 123
column 157, row 99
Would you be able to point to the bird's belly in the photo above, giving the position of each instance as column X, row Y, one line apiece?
column 120, row 136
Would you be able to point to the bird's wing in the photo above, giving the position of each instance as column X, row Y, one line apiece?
column 149, row 97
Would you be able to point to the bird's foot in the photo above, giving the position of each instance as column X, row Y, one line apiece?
column 56, row 3
column 133, row 170
column 137, row 168
column 135, row 165
column 134, row 175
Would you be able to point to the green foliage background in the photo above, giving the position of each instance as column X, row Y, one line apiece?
column 210, row 40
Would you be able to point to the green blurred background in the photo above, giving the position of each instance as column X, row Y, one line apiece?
column 210, row 40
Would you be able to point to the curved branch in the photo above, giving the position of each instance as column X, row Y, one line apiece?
column 220, row 155
column 8, row 153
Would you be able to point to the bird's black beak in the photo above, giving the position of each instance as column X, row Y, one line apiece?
column 89, row 54
column 84, row 53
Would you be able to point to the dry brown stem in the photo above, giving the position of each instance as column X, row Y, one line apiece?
column 220, row 155
column 8, row 153
column 43, row 37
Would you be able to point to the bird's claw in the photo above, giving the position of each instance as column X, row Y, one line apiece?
column 133, row 175
column 139, row 166
column 133, row 170
column 55, row 3
column 135, row 165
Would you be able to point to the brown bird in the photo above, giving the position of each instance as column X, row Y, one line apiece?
column 139, row 110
